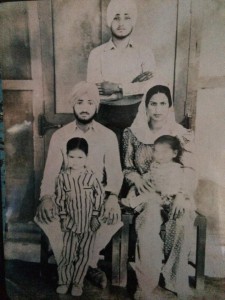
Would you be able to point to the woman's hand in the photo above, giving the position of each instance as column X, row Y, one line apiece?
column 142, row 185
column 179, row 206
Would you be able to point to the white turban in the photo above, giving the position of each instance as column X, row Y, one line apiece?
column 121, row 7
column 85, row 88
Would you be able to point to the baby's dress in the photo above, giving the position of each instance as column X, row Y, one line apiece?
column 166, row 179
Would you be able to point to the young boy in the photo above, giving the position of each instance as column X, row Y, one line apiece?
column 79, row 197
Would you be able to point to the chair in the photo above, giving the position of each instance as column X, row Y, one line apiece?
column 120, row 246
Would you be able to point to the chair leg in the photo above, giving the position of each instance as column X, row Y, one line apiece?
column 44, row 255
column 120, row 253
column 201, row 224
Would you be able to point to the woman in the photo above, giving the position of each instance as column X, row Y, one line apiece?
column 167, row 252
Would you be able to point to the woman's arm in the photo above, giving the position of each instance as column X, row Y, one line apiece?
column 130, row 171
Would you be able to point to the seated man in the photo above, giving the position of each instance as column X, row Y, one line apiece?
column 103, row 151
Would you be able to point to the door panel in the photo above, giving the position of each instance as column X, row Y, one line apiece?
column 19, row 156
column 14, row 51
column 55, row 39
column 73, row 41
column 206, row 94
column 23, row 101
column 66, row 45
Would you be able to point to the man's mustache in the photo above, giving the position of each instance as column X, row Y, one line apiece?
column 84, row 113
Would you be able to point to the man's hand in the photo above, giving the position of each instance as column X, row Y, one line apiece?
column 111, row 210
column 143, row 77
column 46, row 211
column 107, row 88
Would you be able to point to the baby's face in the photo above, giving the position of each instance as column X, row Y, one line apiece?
column 76, row 159
column 163, row 153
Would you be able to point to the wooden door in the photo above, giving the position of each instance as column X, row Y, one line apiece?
column 23, row 101
column 52, row 45
column 66, row 46
column 206, row 106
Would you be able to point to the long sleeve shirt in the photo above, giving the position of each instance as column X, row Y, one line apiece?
column 79, row 195
column 108, row 63
column 103, row 157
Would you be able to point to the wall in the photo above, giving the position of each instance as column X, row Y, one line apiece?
column 210, row 128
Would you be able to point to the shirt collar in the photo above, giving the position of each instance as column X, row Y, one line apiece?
column 110, row 46
column 92, row 126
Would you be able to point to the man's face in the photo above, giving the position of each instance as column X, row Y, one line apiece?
column 84, row 109
column 122, row 25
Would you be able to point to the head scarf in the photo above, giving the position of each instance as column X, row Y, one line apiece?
column 140, row 127
column 121, row 7
column 84, row 88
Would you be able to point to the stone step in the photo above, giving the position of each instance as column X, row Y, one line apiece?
column 22, row 241
column 22, row 250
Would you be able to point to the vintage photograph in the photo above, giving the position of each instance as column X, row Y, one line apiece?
column 112, row 120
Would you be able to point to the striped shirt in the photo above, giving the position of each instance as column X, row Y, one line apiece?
column 79, row 196
column 103, row 156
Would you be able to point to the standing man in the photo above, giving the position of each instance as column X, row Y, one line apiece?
column 103, row 159
column 120, row 68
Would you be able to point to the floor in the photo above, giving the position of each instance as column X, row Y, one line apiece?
column 23, row 282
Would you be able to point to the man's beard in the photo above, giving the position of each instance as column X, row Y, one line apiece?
column 84, row 121
column 122, row 37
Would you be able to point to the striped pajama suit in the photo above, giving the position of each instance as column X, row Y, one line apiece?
column 79, row 196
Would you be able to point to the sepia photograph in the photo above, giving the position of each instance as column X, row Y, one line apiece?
column 112, row 149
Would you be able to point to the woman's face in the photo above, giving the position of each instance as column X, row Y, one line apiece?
column 158, row 107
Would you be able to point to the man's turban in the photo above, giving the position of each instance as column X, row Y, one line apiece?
column 84, row 88
column 121, row 7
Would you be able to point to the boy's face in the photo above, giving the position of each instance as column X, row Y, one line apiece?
column 76, row 159
column 163, row 153
column 122, row 25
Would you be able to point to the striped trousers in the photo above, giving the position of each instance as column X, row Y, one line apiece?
column 75, row 256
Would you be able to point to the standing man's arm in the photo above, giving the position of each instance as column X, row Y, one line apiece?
column 120, row 89
column 112, row 212
column 148, row 65
column 46, row 211
column 111, row 91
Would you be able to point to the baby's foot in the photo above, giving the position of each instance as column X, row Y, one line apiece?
column 62, row 289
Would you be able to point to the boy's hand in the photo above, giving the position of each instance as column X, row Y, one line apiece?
column 63, row 223
column 95, row 224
